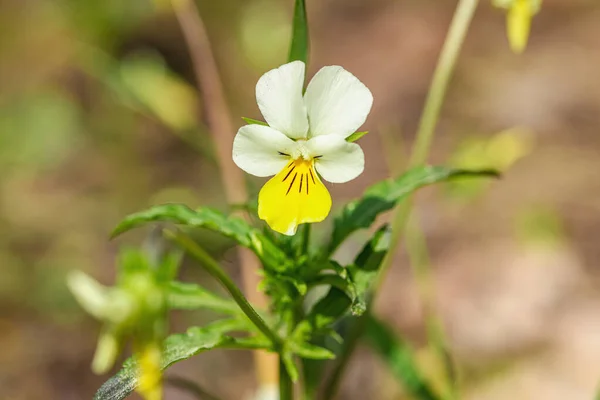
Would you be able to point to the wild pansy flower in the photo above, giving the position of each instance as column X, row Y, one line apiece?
column 305, row 140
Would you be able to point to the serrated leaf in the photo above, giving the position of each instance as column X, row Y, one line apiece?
column 399, row 358
column 251, row 121
column 299, row 45
column 383, row 196
column 189, row 296
column 232, row 227
column 203, row 217
column 355, row 136
column 177, row 348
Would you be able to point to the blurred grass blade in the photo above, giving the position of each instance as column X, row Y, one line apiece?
column 177, row 348
column 398, row 356
column 384, row 195
column 299, row 46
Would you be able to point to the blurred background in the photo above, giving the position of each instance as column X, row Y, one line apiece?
column 99, row 117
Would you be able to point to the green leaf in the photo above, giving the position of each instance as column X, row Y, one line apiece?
column 311, row 351
column 371, row 256
column 251, row 121
column 299, row 46
column 329, row 308
column 177, row 348
column 290, row 366
column 399, row 358
column 189, row 296
column 384, row 195
column 231, row 227
column 364, row 270
column 355, row 136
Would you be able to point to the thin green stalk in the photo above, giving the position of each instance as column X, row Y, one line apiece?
column 286, row 386
column 433, row 104
column 213, row 268
column 305, row 231
column 429, row 118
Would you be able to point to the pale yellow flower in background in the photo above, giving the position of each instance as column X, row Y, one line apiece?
column 304, row 142
column 518, row 20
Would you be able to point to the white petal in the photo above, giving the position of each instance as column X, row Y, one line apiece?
column 336, row 160
column 279, row 98
column 336, row 102
column 257, row 150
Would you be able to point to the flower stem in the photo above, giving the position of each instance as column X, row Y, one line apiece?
column 213, row 268
column 435, row 97
column 286, row 386
column 305, row 231
column 429, row 118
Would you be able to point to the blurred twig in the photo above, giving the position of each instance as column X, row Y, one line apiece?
column 219, row 122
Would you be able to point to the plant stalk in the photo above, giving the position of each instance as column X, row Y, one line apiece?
column 286, row 386
column 214, row 269
column 446, row 64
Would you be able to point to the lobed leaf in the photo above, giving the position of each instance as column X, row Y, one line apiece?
column 384, row 195
column 177, row 348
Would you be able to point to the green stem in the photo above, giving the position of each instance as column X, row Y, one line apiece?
column 433, row 104
column 286, row 386
column 429, row 118
column 305, row 239
column 213, row 268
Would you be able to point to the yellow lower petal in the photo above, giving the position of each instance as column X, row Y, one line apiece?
column 518, row 24
column 294, row 196
column 150, row 381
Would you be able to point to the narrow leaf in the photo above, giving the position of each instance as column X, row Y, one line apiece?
column 177, row 348
column 232, row 227
column 384, row 195
column 311, row 351
column 189, row 296
column 299, row 46
column 251, row 121
column 399, row 358
column 355, row 136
